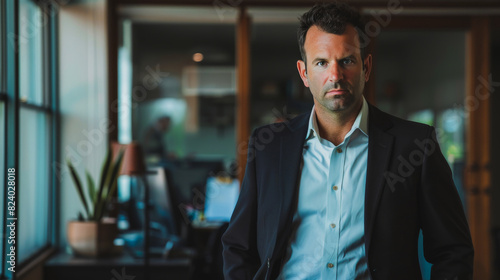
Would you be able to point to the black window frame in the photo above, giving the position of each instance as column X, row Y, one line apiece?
column 9, row 78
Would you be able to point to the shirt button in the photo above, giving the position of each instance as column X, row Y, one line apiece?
column 339, row 150
column 330, row 265
column 335, row 188
column 332, row 225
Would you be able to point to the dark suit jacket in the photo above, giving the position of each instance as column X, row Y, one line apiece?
column 408, row 187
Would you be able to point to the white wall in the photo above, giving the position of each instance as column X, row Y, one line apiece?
column 83, row 97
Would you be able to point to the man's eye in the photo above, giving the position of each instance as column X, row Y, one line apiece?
column 321, row 63
column 347, row 61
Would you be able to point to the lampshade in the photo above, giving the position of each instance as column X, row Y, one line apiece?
column 133, row 159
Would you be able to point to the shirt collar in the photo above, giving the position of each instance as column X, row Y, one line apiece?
column 360, row 123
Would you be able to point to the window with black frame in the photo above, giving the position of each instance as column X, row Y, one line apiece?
column 35, row 130
column 3, row 97
column 26, row 127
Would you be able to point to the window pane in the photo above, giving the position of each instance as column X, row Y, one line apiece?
column 2, row 159
column 2, row 42
column 34, row 194
column 31, row 24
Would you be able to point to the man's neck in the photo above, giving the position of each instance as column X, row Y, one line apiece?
column 333, row 126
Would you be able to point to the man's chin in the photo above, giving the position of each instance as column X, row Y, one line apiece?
column 339, row 106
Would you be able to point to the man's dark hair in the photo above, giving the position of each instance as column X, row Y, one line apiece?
column 332, row 18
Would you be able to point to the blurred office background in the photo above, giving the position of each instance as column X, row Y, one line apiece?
column 189, row 81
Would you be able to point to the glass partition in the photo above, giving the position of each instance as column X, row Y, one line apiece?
column 184, row 91
column 277, row 92
column 177, row 98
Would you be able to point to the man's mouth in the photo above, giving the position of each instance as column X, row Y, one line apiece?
column 335, row 92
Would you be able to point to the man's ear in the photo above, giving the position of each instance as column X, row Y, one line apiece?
column 301, row 67
column 367, row 67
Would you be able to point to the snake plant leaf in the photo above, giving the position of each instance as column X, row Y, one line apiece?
column 110, row 184
column 112, row 190
column 91, row 190
column 104, row 173
column 113, row 182
column 78, row 185
column 114, row 175
column 91, row 187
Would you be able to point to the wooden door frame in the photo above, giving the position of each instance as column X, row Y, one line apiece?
column 477, row 177
column 243, row 92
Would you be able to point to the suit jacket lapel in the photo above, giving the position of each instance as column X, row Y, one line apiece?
column 379, row 153
column 291, row 144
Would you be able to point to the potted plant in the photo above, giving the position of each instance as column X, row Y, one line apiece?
column 90, row 235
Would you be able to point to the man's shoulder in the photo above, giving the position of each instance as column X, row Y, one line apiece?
column 298, row 125
column 270, row 137
column 396, row 125
column 292, row 124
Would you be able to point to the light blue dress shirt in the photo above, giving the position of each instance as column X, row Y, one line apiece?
column 328, row 228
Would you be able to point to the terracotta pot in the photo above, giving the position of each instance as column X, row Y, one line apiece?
column 91, row 239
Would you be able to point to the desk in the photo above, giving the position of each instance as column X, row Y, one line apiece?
column 206, row 238
column 64, row 266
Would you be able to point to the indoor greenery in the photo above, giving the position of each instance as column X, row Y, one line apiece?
column 100, row 197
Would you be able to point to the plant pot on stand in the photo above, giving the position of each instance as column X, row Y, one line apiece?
column 92, row 239
column 93, row 236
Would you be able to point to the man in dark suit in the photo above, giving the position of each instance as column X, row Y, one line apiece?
column 342, row 192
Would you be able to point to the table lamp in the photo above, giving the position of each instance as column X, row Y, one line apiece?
column 133, row 165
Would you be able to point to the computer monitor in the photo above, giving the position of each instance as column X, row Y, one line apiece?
column 220, row 198
column 162, row 210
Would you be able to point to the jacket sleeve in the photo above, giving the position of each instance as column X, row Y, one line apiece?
column 241, row 259
column 446, row 235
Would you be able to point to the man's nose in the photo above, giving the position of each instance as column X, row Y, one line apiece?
column 335, row 73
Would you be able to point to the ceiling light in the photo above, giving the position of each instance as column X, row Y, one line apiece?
column 197, row 57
